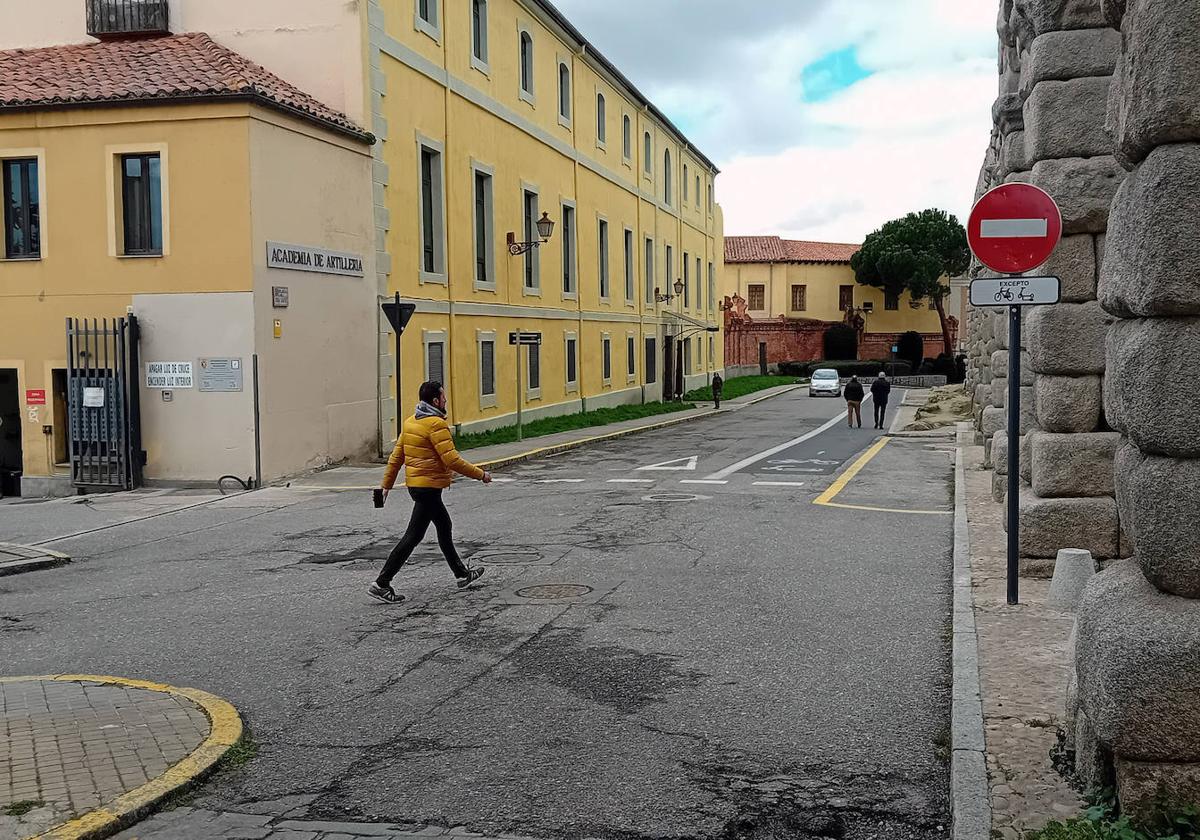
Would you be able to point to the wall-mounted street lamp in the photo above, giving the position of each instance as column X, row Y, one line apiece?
column 545, row 229
column 668, row 297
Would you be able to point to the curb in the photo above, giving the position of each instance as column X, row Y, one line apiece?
column 35, row 559
column 970, row 803
column 556, row 449
column 138, row 803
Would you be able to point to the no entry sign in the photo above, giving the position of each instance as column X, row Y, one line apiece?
column 1014, row 228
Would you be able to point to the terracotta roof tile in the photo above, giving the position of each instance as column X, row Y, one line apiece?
column 749, row 249
column 190, row 66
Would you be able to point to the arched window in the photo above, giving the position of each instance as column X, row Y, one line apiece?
column 527, row 63
column 648, row 154
column 667, row 176
column 685, row 182
column 626, row 138
column 601, row 119
column 564, row 92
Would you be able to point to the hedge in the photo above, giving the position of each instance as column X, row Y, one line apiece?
column 852, row 367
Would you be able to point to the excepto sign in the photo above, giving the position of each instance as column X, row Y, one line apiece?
column 168, row 374
column 35, row 396
column 1014, row 291
column 319, row 260
column 1014, row 228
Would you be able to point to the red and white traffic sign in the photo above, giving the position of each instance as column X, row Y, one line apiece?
column 1014, row 228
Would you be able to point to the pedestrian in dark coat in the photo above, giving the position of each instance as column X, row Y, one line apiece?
column 854, row 395
column 880, row 390
column 718, row 385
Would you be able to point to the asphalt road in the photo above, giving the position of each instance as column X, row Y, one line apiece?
column 709, row 654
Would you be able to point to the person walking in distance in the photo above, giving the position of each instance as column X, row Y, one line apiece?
column 426, row 450
column 880, row 390
column 718, row 385
column 854, row 394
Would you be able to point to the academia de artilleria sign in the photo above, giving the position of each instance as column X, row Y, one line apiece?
column 319, row 260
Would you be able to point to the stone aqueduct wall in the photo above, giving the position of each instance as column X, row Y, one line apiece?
column 1100, row 105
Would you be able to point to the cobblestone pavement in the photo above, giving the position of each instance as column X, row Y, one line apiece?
column 1024, row 671
column 200, row 824
column 71, row 746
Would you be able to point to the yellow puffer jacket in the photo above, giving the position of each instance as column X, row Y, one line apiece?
column 426, row 450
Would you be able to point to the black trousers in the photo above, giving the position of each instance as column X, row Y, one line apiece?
column 880, row 411
column 427, row 507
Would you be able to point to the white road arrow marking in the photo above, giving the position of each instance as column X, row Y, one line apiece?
column 670, row 465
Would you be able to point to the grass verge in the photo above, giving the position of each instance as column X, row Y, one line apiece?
column 569, row 422
column 740, row 386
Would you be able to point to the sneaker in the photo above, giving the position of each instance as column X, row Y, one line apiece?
column 472, row 576
column 385, row 594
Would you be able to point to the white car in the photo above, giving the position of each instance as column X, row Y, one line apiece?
column 825, row 382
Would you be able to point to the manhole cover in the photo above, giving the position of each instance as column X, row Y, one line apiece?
column 554, row 591
column 673, row 497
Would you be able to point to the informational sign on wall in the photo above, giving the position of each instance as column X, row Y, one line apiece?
column 169, row 375
column 223, row 375
column 306, row 258
column 93, row 398
column 35, row 396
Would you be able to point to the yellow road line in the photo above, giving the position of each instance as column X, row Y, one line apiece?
column 827, row 498
column 126, row 809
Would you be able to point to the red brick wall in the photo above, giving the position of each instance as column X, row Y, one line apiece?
column 794, row 340
column 879, row 345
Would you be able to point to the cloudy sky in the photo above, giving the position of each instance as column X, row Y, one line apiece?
column 826, row 117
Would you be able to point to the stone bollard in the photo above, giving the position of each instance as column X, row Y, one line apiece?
column 1073, row 568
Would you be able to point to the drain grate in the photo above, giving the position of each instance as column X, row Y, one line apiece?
column 554, row 591
column 674, row 497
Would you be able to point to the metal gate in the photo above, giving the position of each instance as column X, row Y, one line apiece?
column 103, row 403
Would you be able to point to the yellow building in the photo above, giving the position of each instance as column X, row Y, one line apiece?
column 490, row 114
column 221, row 207
column 801, row 285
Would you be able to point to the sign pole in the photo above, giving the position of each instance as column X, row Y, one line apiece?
column 1014, row 453
column 520, row 431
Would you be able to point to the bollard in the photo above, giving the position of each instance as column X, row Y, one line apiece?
column 1073, row 568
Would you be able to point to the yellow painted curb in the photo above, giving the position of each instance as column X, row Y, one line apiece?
column 128, row 808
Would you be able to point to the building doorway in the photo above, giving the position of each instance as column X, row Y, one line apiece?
column 11, row 456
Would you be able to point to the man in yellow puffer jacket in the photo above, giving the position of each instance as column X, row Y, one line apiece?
column 426, row 450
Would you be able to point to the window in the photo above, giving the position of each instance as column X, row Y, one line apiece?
column 603, row 246
column 799, row 298
column 651, row 362
column 484, row 247
column 649, row 255
column 712, row 287
column 685, row 182
column 687, row 282
column 607, row 348
column 487, row 370
column 697, row 190
column 564, row 92
column 533, row 278
column 432, row 244
column 479, row 32
column 569, row 249
column 667, row 176
column 626, row 138
column 427, row 18
column 712, row 350
column 141, row 192
column 891, row 301
column 22, row 210
column 687, row 356
column 710, row 199
column 668, row 270
column 435, row 356
column 526, row 54
column 534, row 358
column 757, row 296
column 572, row 360
column 648, row 154
column 629, row 290
column 631, row 355
column 933, row 304
column 699, row 293
column 601, row 117
column 845, row 298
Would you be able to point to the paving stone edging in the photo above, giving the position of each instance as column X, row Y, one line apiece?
column 970, row 804
column 29, row 559
column 556, row 449
column 127, row 809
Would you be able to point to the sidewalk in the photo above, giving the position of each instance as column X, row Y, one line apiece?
column 1023, row 673
column 360, row 476
column 84, row 756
